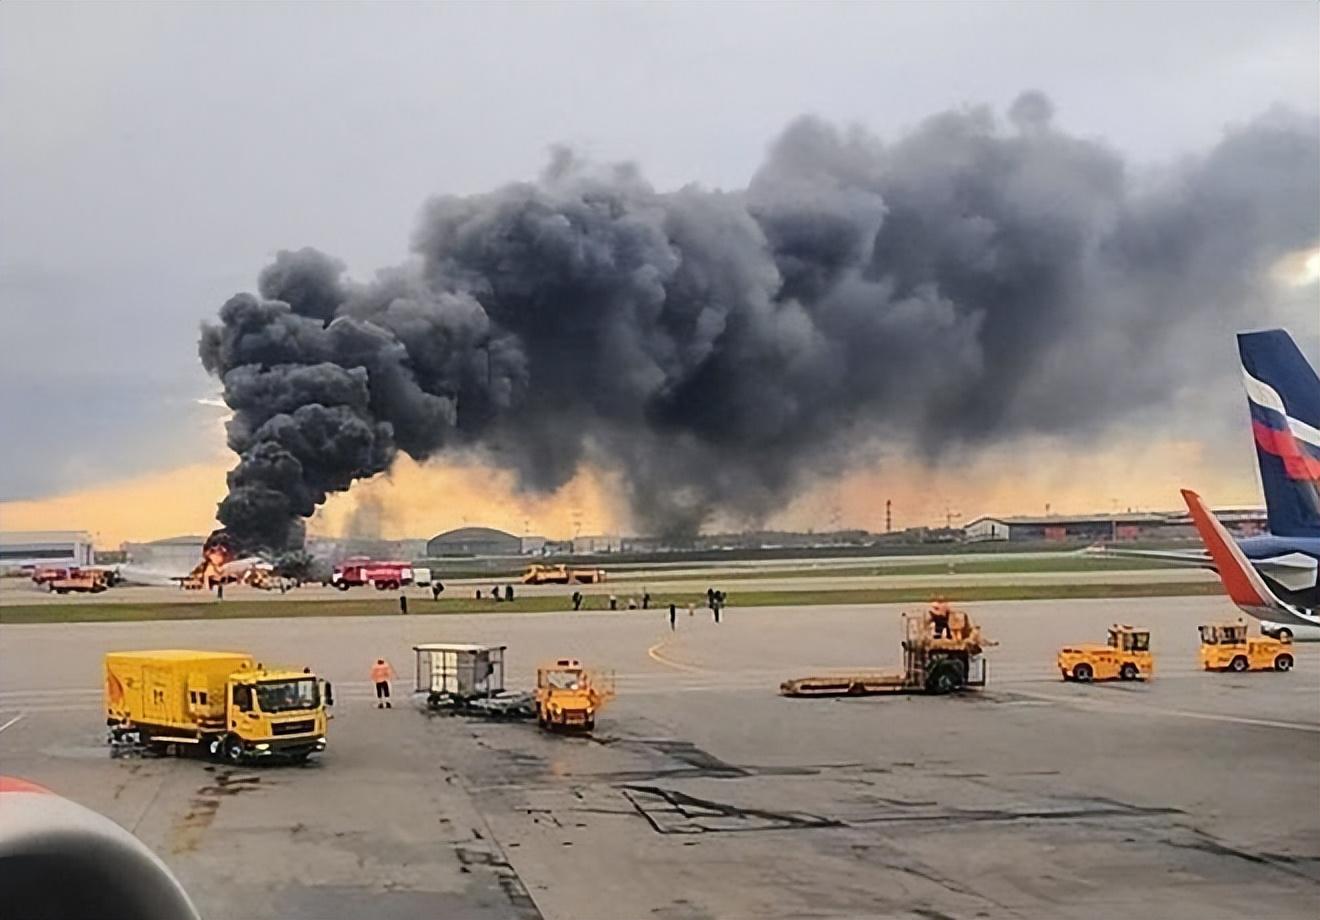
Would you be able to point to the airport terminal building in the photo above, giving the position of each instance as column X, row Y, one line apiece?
column 20, row 549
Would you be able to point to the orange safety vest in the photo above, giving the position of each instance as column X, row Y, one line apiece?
column 380, row 673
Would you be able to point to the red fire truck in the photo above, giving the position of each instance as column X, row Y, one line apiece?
column 383, row 576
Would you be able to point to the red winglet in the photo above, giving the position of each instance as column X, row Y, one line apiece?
column 14, row 784
column 1235, row 571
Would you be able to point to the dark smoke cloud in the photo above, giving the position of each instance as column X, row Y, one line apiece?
column 967, row 284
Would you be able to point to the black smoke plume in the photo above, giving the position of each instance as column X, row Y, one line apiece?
column 969, row 283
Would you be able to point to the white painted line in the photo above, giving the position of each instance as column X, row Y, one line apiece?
column 11, row 721
column 1109, row 705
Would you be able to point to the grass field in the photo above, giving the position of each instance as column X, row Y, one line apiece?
column 74, row 612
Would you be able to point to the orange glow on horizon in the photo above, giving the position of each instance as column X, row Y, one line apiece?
column 421, row 500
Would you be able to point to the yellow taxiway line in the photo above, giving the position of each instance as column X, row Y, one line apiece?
column 654, row 654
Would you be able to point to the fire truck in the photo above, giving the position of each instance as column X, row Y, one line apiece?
column 383, row 576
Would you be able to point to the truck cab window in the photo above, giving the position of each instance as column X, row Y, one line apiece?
column 243, row 697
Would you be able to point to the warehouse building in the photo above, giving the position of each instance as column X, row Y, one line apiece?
column 474, row 541
column 29, row 548
column 594, row 544
column 1094, row 528
column 173, row 554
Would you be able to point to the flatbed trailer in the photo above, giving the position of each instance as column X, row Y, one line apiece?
column 846, row 685
column 930, row 665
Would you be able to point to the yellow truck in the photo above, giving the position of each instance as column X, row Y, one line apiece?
column 568, row 696
column 1126, row 656
column 1227, row 647
column 537, row 574
column 226, row 704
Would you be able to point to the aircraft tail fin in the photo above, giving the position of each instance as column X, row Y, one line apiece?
column 1243, row 583
column 1283, row 394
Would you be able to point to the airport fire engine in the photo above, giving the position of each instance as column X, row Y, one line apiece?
column 383, row 576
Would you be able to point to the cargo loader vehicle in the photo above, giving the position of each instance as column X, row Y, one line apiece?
column 934, row 663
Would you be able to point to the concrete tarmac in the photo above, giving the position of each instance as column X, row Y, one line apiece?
column 705, row 794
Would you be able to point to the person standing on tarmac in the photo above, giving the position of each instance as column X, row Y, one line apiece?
column 381, row 675
column 403, row 603
column 939, row 617
column 577, row 600
column 673, row 615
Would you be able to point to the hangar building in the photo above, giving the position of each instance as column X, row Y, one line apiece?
column 172, row 554
column 27, row 548
column 474, row 541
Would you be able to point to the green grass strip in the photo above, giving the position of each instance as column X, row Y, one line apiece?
column 94, row 612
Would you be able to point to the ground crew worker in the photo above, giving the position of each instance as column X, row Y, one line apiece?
column 508, row 593
column 219, row 590
column 673, row 614
column 710, row 598
column 495, row 592
column 614, row 602
column 437, row 588
column 939, row 616
column 381, row 675
column 646, row 600
column 577, row 600
column 403, row 603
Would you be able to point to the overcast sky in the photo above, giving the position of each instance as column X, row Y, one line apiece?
column 155, row 156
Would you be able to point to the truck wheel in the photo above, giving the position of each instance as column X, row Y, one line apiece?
column 945, row 677
column 1283, row 663
column 590, row 725
column 233, row 749
column 1285, row 634
column 1238, row 664
column 1128, row 671
column 1083, row 673
column 342, row 586
column 215, row 747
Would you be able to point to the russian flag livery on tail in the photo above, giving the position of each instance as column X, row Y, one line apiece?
column 1283, row 393
column 1273, row 576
